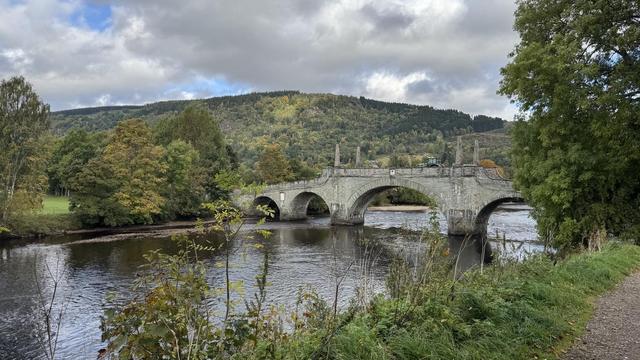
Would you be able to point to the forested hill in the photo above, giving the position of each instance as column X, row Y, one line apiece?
column 307, row 125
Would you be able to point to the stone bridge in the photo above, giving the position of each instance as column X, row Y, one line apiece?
column 466, row 194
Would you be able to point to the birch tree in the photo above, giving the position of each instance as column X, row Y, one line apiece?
column 24, row 120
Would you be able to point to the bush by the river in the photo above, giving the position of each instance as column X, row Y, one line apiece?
column 35, row 225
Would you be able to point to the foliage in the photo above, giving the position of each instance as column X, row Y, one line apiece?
column 33, row 225
column 70, row 155
column 307, row 126
column 482, row 123
column 576, row 77
column 170, row 316
column 515, row 311
column 507, row 311
column 228, row 180
column 185, row 179
column 122, row 185
column 273, row 167
column 122, row 177
column 427, row 272
column 301, row 170
column 23, row 125
column 396, row 161
column 197, row 127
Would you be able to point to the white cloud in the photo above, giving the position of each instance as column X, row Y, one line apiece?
column 16, row 58
column 391, row 87
column 442, row 53
column 103, row 100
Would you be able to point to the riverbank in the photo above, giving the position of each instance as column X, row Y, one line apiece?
column 401, row 208
column 56, row 222
column 528, row 310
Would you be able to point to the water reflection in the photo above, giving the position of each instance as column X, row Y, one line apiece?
column 308, row 254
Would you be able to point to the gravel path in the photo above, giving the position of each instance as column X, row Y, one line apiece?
column 614, row 331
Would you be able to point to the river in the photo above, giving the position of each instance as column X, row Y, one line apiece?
column 308, row 254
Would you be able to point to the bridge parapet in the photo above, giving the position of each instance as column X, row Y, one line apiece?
column 456, row 171
column 466, row 194
column 301, row 183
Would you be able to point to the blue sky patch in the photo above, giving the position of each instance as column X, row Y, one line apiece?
column 92, row 15
column 209, row 87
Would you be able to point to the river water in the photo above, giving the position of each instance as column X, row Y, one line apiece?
column 310, row 254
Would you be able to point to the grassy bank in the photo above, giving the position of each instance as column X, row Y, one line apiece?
column 55, row 205
column 53, row 218
column 518, row 311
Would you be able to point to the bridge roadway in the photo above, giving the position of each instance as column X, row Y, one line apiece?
column 466, row 194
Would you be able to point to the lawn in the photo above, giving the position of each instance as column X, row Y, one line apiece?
column 55, row 205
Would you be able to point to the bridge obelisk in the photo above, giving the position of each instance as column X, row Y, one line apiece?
column 336, row 161
column 476, row 153
column 358, row 161
column 459, row 157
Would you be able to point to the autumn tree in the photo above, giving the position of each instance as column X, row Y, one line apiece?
column 490, row 164
column 123, row 185
column 273, row 166
column 23, row 124
column 576, row 150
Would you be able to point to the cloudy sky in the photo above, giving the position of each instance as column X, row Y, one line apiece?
column 444, row 53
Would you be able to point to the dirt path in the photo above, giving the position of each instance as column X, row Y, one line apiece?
column 614, row 330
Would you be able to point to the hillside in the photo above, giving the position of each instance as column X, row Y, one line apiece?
column 307, row 125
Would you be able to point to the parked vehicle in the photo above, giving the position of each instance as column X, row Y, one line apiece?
column 430, row 161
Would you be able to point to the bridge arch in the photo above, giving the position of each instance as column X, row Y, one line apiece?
column 266, row 200
column 359, row 201
column 482, row 218
column 300, row 203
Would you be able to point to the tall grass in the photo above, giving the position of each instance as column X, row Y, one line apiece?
column 515, row 311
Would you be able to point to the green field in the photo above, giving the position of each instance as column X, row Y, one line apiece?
column 55, row 205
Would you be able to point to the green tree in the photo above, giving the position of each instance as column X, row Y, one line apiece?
column 122, row 186
column 184, row 190
column 196, row 126
column 576, row 78
column 482, row 123
column 301, row 170
column 70, row 155
column 273, row 166
column 23, row 124
column 397, row 161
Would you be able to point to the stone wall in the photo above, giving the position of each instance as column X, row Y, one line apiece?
column 462, row 192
